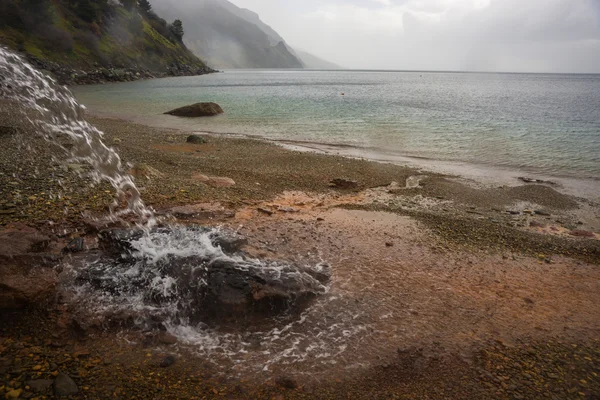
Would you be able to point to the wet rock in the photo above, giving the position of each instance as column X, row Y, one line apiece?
column 64, row 385
column 167, row 338
column 214, row 181
column 542, row 213
column 39, row 385
column 196, row 139
column 533, row 180
column 14, row 394
column 197, row 110
column 286, row 209
column 209, row 286
column 286, row 382
column 265, row 211
column 202, row 211
column 26, row 280
column 537, row 224
column 145, row 171
column 22, row 239
column 342, row 183
column 8, row 130
column 76, row 245
column 581, row 233
column 167, row 361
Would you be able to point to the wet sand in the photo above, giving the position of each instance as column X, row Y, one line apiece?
column 441, row 287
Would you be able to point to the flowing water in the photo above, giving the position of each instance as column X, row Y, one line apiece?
column 192, row 281
column 52, row 111
column 538, row 123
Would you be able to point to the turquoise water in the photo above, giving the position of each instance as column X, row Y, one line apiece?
column 548, row 124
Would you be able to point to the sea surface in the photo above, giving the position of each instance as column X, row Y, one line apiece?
column 538, row 123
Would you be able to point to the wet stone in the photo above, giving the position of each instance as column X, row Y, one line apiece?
column 211, row 281
column 167, row 361
column 39, row 385
column 64, row 385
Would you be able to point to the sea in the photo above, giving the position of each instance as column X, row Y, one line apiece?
column 545, row 125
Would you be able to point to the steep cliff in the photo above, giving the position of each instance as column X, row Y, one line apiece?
column 86, row 41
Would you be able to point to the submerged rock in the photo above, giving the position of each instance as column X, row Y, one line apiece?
column 197, row 110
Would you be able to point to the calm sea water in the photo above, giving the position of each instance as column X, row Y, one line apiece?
column 547, row 124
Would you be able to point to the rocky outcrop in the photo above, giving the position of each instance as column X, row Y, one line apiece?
column 197, row 110
column 213, row 284
column 71, row 76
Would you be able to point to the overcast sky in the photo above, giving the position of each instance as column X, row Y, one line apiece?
column 482, row 35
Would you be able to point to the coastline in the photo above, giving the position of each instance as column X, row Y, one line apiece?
column 463, row 289
column 475, row 173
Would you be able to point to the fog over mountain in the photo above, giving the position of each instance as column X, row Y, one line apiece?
column 226, row 36
column 482, row 35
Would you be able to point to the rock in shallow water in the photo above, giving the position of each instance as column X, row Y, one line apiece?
column 198, row 275
column 197, row 110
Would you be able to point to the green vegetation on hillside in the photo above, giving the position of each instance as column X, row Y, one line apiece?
column 87, row 34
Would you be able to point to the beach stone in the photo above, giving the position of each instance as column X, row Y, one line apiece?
column 145, row 171
column 201, row 211
column 76, row 245
column 214, row 181
column 64, row 385
column 39, row 385
column 14, row 394
column 167, row 361
column 343, row 183
column 197, row 110
column 581, row 233
column 196, row 139
column 167, row 338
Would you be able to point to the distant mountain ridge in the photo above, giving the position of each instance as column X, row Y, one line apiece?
column 227, row 36
column 221, row 33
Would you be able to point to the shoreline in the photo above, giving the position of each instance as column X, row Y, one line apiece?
column 445, row 290
column 485, row 174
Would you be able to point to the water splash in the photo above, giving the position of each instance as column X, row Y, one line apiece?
column 53, row 111
column 181, row 278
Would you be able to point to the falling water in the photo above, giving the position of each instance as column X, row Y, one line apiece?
column 176, row 278
column 52, row 111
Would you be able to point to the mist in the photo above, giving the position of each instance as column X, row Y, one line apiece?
column 461, row 35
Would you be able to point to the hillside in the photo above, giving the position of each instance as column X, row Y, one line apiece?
column 228, row 36
column 87, row 41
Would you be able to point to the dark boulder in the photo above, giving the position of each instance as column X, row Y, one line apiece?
column 197, row 110
column 214, row 283
column 342, row 183
column 64, row 386
column 196, row 139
